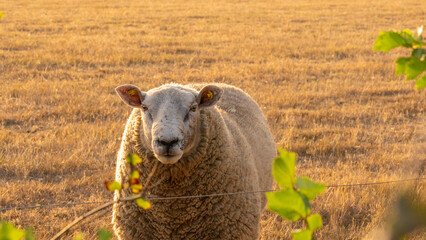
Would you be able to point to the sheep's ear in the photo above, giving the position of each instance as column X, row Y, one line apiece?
column 131, row 95
column 209, row 95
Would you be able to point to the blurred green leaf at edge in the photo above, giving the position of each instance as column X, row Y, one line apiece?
column 309, row 188
column 133, row 159
column 421, row 83
column 389, row 40
column 283, row 169
column 305, row 234
column 289, row 204
column 104, row 234
column 9, row 232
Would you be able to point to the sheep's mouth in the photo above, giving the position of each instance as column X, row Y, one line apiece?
column 169, row 158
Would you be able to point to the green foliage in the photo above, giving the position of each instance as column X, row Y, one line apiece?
column 104, row 234
column 421, row 82
column 134, row 175
column 143, row 203
column 136, row 188
column 29, row 235
column 112, row 186
column 133, row 159
column 412, row 66
column 314, row 221
column 302, row 234
column 410, row 216
column 283, row 169
column 292, row 202
column 309, row 188
column 79, row 236
column 289, row 204
column 389, row 40
column 9, row 232
column 134, row 182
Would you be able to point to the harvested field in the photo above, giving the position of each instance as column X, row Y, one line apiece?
column 309, row 64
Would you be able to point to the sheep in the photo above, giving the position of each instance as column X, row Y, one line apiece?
column 215, row 140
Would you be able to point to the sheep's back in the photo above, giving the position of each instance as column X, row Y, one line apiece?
column 238, row 108
column 246, row 113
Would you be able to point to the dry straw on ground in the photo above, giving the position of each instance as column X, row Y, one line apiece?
column 308, row 64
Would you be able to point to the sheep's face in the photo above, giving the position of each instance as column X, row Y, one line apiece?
column 170, row 116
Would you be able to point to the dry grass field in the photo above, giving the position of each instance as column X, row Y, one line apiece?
column 309, row 64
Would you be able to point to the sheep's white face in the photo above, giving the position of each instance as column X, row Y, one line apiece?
column 170, row 116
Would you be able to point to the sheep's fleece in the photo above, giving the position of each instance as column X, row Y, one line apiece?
column 227, row 147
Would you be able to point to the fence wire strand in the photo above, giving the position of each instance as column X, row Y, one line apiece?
column 152, row 198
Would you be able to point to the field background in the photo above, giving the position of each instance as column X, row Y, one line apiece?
column 309, row 64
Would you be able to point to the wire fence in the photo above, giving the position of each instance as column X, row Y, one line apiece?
column 150, row 198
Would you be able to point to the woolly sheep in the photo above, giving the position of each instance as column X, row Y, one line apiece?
column 204, row 146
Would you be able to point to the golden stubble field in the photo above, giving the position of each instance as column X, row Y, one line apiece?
column 309, row 64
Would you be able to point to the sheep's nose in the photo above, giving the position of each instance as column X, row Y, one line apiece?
column 168, row 144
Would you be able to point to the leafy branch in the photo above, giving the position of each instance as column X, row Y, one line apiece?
column 411, row 215
column 292, row 201
column 412, row 66
column 9, row 232
column 134, row 184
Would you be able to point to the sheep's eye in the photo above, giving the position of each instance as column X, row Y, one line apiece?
column 193, row 108
column 144, row 107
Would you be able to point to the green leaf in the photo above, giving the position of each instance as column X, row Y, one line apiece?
column 112, row 186
column 418, row 43
column 408, row 36
column 411, row 66
column 309, row 188
column 141, row 202
column 104, row 234
column 305, row 234
column 401, row 64
column 133, row 159
column 79, row 236
column 29, row 235
column 418, row 52
column 9, row 232
column 134, row 175
column 136, row 188
column 314, row 221
column 388, row 40
column 421, row 83
column 134, row 182
column 289, row 204
column 283, row 169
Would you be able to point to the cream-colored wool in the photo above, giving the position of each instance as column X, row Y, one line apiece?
column 233, row 152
